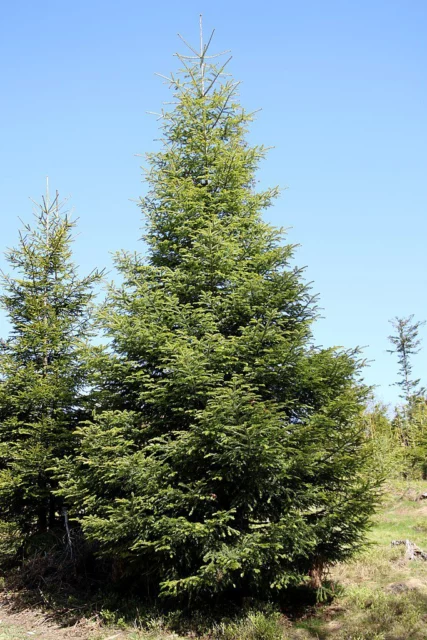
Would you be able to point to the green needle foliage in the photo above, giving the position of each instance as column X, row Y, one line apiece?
column 41, row 368
column 230, row 455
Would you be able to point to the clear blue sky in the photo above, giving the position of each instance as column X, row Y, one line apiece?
column 343, row 91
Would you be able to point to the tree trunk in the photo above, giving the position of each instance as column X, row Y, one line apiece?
column 52, row 512
column 42, row 520
column 316, row 574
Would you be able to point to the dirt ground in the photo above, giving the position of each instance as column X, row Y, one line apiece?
column 18, row 622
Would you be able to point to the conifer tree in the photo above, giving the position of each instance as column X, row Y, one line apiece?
column 230, row 453
column 41, row 367
column 406, row 344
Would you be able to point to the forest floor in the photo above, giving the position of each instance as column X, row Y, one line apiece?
column 381, row 595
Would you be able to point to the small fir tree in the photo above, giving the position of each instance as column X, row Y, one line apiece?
column 388, row 450
column 406, row 344
column 230, row 455
column 41, row 367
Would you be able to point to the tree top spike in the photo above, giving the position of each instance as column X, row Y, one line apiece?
column 201, row 56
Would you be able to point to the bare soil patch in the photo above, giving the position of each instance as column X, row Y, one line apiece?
column 17, row 620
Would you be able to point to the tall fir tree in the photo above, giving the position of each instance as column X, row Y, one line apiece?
column 406, row 344
column 42, row 373
column 230, row 455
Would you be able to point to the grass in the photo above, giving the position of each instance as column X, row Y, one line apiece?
column 382, row 595
column 12, row 633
